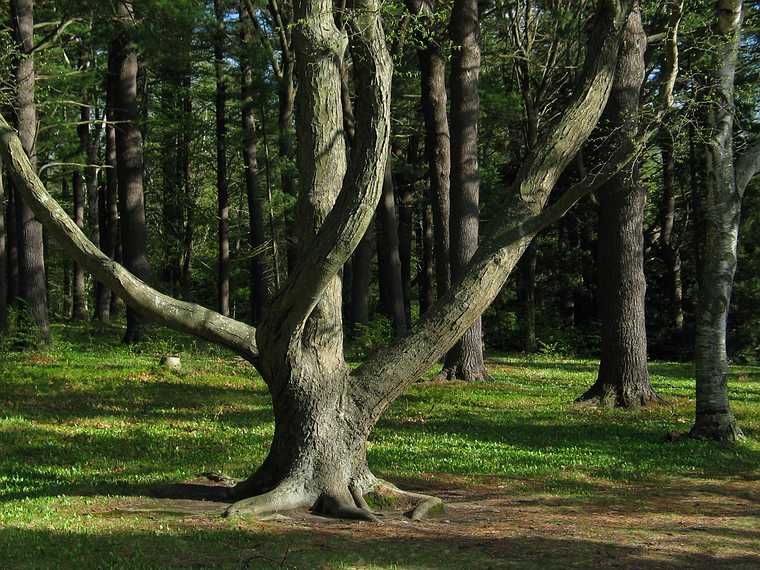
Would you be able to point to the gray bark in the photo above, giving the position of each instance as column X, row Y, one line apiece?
column 465, row 361
column 718, row 207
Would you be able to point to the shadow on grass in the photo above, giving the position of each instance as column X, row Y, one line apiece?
column 264, row 548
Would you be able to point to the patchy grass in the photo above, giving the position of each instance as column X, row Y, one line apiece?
column 531, row 480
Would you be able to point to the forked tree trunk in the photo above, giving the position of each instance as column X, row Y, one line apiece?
column 31, row 256
column 323, row 410
column 465, row 361
column 623, row 378
column 718, row 206
column 129, row 150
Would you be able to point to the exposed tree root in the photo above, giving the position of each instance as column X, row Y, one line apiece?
column 425, row 503
column 610, row 396
column 284, row 497
column 718, row 427
column 342, row 508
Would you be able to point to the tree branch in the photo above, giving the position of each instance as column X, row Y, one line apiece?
column 263, row 38
column 349, row 218
column 179, row 315
column 747, row 166
column 53, row 36
column 383, row 377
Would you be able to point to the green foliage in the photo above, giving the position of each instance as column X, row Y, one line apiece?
column 372, row 336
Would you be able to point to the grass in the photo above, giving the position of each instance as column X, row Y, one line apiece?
column 88, row 428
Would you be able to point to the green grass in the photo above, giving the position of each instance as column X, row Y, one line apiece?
column 91, row 424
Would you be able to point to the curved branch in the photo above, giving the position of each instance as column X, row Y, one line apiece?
column 382, row 378
column 179, row 315
column 747, row 166
column 352, row 213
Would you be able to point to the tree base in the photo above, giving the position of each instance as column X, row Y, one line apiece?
column 717, row 427
column 465, row 375
column 349, row 504
column 611, row 396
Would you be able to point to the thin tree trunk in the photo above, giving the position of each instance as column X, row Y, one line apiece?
column 623, row 378
column 129, row 150
column 111, row 240
column 67, row 297
column 78, row 296
column 718, row 208
column 425, row 246
column 261, row 285
column 188, row 206
column 465, row 361
column 223, row 207
column 671, row 257
column 11, row 237
column 31, row 256
column 406, row 225
column 361, row 278
column 392, row 292
column 526, row 294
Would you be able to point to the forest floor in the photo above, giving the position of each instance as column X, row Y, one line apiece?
column 90, row 430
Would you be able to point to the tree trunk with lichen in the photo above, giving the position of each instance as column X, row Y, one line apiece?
column 718, row 207
column 324, row 410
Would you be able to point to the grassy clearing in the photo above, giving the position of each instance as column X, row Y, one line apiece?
column 86, row 429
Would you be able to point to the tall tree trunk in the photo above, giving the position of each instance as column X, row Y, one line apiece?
column 671, row 257
column 391, row 288
column 78, row 295
column 361, row 278
column 406, row 224
column 111, row 240
column 31, row 256
column 465, row 360
column 129, row 151
column 623, row 378
column 718, row 207
column 67, row 297
column 223, row 206
column 261, row 285
column 437, row 148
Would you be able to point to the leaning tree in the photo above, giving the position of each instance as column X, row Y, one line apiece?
column 323, row 409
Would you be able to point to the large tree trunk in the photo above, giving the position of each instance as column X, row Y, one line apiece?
column 78, row 295
column 261, row 284
column 465, row 361
column 623, row 378
column 129, row 150
column 718, row 206
column 223, row 207
column 324, row 410
column 31, row 256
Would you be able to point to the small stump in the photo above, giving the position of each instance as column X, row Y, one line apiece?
column 171, row 362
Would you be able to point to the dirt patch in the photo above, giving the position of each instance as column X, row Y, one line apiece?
column 679, row 523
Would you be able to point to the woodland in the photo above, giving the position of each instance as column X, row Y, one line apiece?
column 316, row 283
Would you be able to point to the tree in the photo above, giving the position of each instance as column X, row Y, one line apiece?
column 465, row 361
column 122, row 65
column 223, row 206
column 31, row 256
column 3, row 255
column 623, row 378
column 718, row 198
column 323, row 409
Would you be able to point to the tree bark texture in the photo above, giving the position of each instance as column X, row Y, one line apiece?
column 465, row 362
column 31, row 257
column 718, row 208
column 623, row 378
column 3, row 255
column 426, row 247
column 129, row 150
column 671, row 256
